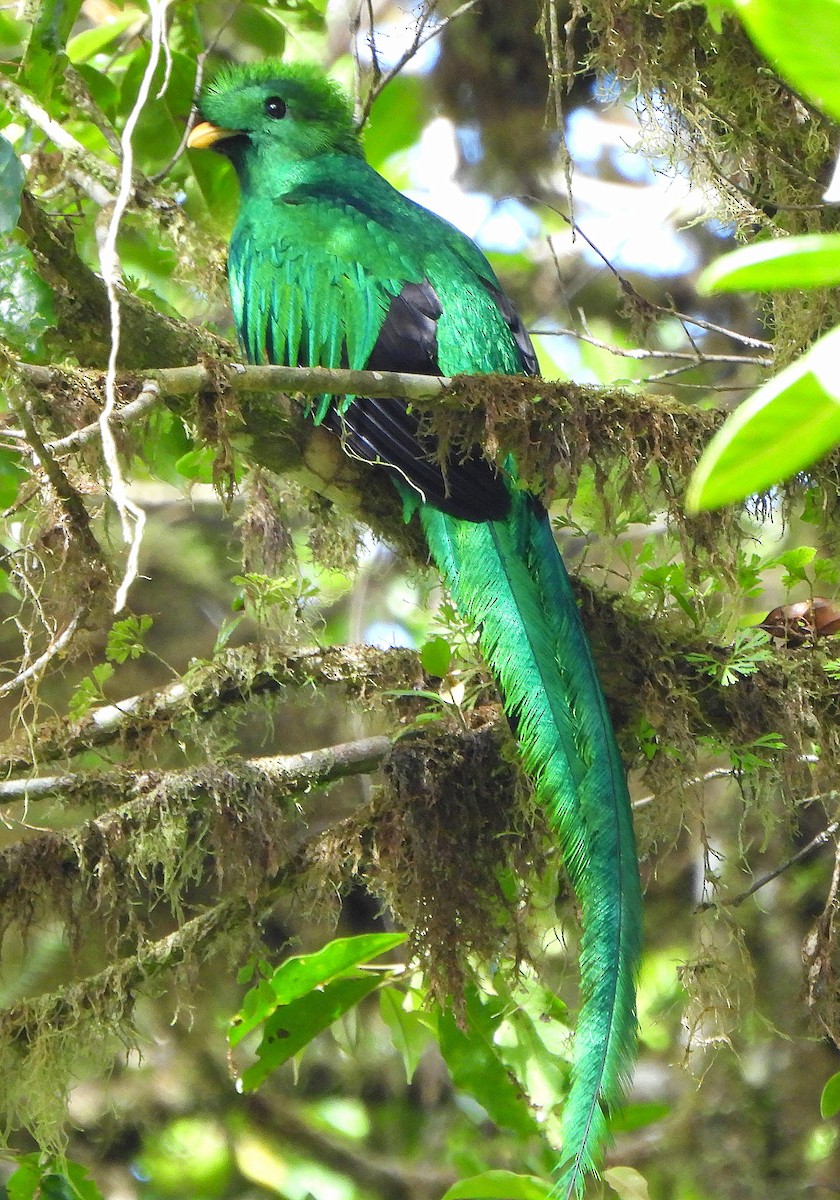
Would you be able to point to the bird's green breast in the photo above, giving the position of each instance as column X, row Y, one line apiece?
column 319, row 253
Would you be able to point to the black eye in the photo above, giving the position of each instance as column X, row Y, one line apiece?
column 275, row 107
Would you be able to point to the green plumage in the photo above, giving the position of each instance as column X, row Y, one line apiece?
column 330, row 266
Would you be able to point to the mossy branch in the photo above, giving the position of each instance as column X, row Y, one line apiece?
column 289, row 774
column 644, row 664
column 648, row 445
column 175, row 818
column 234, row 677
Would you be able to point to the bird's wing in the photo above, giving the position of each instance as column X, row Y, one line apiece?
column 339, row 284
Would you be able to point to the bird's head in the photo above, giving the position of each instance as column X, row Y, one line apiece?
column 290, row 111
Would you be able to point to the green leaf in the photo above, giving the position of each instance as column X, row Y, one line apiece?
column 11, row 186
column 830, row 1098
column 714, row 13
column 795, row 561
column 809, row 261
column 784, row 427
column 83, row 1187
column 161, row 122
column 218, row 187
column 475, row 1065
column 410, row 1033
column 44, row 59
column 627, row 1183
column 258, row 27
column 102, row 89
column 164, row 443
column 88, row 691
column 435, row 656
column 126, row 637
column 297, row 977
column 12, row 475
column 26, row 303
column 294, row 1025
column 800, row 40
column 22, row 1183
column 500, row 1185
column 637, row 1116
column 396, row 119
column 42, row 1180
column 197, row 464
column 92, row 41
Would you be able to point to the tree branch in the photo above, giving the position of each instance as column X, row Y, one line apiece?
column 235, row 677
column 290, row 773
column 544, row 424
column 241, row 817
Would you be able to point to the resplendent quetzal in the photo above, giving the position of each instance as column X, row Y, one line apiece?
column 330, row 266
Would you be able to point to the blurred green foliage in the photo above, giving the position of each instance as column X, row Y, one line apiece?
column 370, row 1085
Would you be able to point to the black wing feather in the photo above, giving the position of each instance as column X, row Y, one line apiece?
column 384, row 431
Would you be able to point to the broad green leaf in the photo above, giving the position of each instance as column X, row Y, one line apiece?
column 42, row 1180
column 410, row 1033
column 13, row 34
column 800, row 38
column 258, row 27
column 44, row 59
column 85, row 45
column 11, row 186
column 500, row 1185
column 22, row 1184
column 26, row 305
column 294, row 1025
column 161, row 123
column 475, row 1065
column 103, row 90
column 830, row 1098
column 637, row 1116
column 218, row 188
column 396, row 119
column 435, row 655
column 299, row 976
column 12, row 475
column 164, row 443
column 784, row 427
column 810, row 261
column 627, row 1183
column 197, row 464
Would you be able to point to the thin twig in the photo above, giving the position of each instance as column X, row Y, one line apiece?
column 422, row 35
column 815, row 843
column 182, row 145
column 39, row 665
column 707, row 777
column 629, row 290
column 148, row 399
column 696, row 357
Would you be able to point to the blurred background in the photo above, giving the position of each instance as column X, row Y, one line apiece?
column 598, row 225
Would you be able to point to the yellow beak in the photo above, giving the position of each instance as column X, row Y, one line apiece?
column 204, row 135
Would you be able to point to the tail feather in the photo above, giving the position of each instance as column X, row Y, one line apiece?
column 509, row 578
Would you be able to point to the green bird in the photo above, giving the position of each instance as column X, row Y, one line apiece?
column 330, row 266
